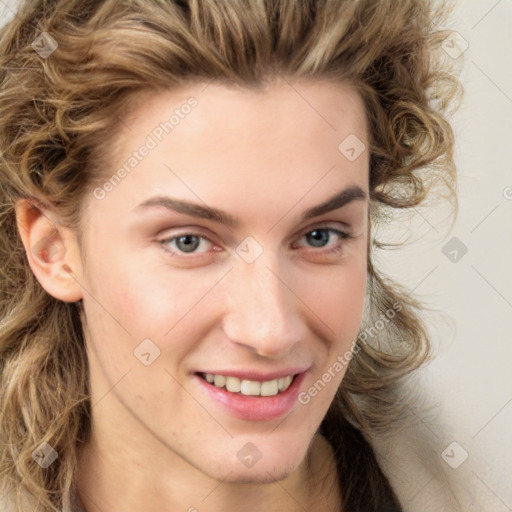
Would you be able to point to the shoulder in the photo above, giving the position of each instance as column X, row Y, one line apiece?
column 8, row 503
column 412, row 461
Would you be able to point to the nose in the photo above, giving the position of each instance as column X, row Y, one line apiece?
column 263, row 312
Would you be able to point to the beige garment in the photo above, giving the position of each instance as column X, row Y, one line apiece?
column 7, row 504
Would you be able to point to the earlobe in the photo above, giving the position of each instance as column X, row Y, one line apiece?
column 51, row 250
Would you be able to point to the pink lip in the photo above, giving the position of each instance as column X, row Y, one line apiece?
column 254, row 408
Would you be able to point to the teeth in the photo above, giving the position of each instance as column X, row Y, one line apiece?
column 250, row 387
column 269, row 388
column 233, row 384
column 220, row 381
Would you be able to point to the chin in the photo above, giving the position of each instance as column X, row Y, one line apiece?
column 262, row 472
column 258, row 476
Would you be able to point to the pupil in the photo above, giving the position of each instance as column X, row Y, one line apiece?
column 187, row 243
column 318, row 237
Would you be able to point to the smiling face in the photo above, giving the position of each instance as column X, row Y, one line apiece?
column 231, row 251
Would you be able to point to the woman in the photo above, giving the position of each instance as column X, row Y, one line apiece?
column 191, row 319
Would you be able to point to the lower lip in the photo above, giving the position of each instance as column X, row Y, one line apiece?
column 255, row 408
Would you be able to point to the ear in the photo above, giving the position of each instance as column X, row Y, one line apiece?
column 52, row 251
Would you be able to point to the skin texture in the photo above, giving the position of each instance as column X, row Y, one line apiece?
column 158, row 441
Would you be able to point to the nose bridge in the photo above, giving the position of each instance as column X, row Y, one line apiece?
column 262, row 311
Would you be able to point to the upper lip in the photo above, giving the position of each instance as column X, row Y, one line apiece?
column 258, row 375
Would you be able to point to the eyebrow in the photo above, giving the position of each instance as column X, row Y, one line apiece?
column 338, row 200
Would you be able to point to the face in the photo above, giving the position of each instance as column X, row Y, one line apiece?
column 228, row 254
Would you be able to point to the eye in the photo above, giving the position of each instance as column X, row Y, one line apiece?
column 186, row 243
column 194, row 243
column 325, row 237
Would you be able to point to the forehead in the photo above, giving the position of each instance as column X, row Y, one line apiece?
column 227, row 114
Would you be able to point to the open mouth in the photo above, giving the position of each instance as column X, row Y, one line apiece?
column 248, row 387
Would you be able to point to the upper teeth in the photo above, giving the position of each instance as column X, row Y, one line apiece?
column 250, row 387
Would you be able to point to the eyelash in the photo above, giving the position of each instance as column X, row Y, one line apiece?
column 343, row 235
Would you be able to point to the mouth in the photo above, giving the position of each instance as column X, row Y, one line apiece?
column 252, row 396
column 247, row 387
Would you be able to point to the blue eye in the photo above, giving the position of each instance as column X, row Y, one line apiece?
column 318, row 237
column 321, row 237
column 187, row 243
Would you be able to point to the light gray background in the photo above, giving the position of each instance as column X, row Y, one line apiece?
column 471, row 378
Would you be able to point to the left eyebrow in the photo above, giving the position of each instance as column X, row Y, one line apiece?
column 340, row 199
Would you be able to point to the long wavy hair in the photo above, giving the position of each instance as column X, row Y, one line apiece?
column 57, row 114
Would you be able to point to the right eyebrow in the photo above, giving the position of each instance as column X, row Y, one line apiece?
column 192, row 209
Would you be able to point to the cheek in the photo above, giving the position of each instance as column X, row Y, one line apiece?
column 348, row 298
column 132, row 300
column 344, row 299
column 337, row 298
column 339, row 304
